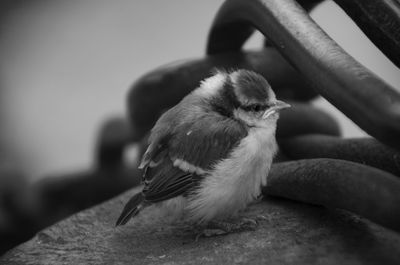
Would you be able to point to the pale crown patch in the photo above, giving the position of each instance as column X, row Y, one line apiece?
column 210, row 86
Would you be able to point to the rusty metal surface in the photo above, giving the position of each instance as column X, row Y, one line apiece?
column 291, row 233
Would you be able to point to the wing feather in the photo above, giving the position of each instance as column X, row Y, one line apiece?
column 199, row 139
column 206, row 141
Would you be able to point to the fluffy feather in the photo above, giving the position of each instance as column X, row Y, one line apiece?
column 237, row 180
column 210, row 152
column 131, row 208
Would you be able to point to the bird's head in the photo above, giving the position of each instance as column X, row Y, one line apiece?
column 246, row 96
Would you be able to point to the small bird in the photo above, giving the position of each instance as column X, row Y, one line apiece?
column 213, row 150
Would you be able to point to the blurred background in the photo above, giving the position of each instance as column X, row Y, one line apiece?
column 67, row 65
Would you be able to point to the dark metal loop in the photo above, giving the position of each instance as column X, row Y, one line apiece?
column 113, row 138
column 380, row 21
column 164, row 87
column 365, row 150
column 357, row 92
column 361, row 189
column 304, row 119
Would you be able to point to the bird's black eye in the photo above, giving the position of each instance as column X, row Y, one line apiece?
column 259, row 107
column 254, row 108
column 245, row 108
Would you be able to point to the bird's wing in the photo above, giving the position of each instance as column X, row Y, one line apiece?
column 205, row 141
column 177, row 159
column 165, row 181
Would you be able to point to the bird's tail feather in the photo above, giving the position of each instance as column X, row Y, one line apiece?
column 132, row 208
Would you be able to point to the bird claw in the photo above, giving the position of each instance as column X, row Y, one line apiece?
column 248, row 224
column 261, row 218
column 210, row 233
column 218, row 228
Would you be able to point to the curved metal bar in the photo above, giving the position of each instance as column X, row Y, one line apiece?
column 164, row 87
column 366, row 151
column 309, row 5
column 113, row 138
column 303, row 119
column 357, row 92
column 380, row 21
column 361, row 189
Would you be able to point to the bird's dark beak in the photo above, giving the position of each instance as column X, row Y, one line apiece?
column 277, row 106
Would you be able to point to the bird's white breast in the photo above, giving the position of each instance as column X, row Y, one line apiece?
column 237, row 180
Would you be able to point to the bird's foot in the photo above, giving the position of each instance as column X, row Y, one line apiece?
column 217, row 228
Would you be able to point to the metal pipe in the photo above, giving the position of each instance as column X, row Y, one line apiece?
column 357, row 92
